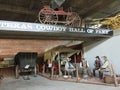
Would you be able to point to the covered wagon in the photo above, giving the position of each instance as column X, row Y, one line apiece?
column 25, row 62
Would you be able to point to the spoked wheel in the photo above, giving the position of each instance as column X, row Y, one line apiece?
column 73, row 20
column 51, row 18
column 17, row 71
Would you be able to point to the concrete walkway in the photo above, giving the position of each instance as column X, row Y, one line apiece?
column 41, row 83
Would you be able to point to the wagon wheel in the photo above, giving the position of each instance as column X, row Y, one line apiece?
column 51, row 18
column 17, row 71
column 73, row 20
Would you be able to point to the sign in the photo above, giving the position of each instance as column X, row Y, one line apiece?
column 35, row 27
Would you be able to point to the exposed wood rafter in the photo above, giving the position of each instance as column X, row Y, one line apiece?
column 16, row 9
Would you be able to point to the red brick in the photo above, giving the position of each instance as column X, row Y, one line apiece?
column 9, row 47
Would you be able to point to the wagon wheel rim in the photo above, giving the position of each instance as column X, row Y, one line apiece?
column 51, row 18
column 42, row 17
column 73, row 20
column 17, row 72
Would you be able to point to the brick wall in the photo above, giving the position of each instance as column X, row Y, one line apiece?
column 9, row 47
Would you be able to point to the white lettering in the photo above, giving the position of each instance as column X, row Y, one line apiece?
column 16, row 25
column 102, row 31
column 3, row 24
column 19, row 26
column 40, row 28
column 76, row 30
column 29, row 26
column 90, row 30
column 50, row 28
column 23, row 26
column 64, row 29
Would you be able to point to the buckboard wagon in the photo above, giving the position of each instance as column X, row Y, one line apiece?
column 47, row 15
column 25, row 62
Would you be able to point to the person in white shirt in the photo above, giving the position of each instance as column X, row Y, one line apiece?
column 104, row 67
column 69, row 67
column 84, row 63
column 84, row 68
column 49, row 66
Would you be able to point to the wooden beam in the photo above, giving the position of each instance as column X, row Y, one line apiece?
column 98, row 7
column 114, row 75
column 17, row 9
column 88, row 7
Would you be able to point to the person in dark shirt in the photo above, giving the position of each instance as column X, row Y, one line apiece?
column 97, row 64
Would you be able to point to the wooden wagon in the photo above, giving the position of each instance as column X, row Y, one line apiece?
column 25, row 62
column 48, row 15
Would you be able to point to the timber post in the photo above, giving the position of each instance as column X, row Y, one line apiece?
column 114, row 76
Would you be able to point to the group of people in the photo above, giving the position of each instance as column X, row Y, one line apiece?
column 48, row 66
column 83, row 67
column 69, row 68
column 85, row 70
column 101, row 67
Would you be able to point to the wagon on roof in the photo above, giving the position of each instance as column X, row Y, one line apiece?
column 47, row 15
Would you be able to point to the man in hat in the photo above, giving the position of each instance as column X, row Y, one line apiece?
column 69, row 67
column 84, row 68
column 104, row 68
